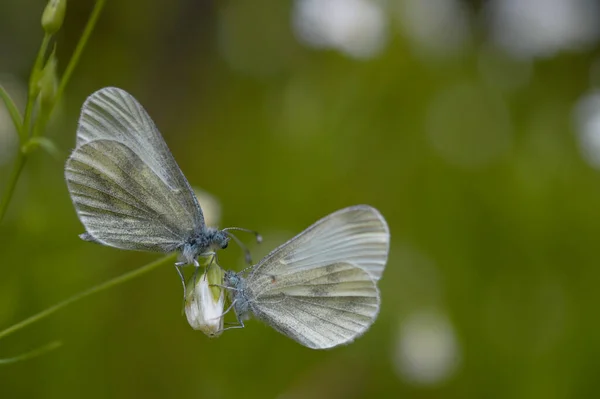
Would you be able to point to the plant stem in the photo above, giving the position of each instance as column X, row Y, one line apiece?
column 25, row 127
column 101, row 287
column 12, row 182
column 87, row 31
column 79, row 49
column 33, row 89
column 34, row 353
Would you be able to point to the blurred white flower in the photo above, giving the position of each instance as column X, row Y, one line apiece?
column 541, row 28
column 427, row 351
column 357, row 28
column 204, row 304
column 211, row 208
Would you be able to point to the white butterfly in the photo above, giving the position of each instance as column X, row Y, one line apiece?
column 126, row 187
column 320, row 287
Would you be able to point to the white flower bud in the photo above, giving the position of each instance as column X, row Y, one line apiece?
column 48, row 82
column 204, row 304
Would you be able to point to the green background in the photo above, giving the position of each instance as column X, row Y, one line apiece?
column 473, row 159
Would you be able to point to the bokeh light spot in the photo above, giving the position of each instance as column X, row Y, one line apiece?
column 427, row 350
column 541, row 28
column 357, row 28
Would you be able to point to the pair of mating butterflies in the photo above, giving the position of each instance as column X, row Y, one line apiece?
column 319, row 288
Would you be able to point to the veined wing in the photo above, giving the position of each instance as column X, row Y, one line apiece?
column 357, row 235
column 113, row 114
column 319, row 308
column 122, row 202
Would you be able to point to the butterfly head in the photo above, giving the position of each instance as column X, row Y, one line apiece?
column 203, row 242
column 218, row 239
column 232, row 279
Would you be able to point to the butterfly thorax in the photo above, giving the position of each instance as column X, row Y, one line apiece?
column 203, row 241
column 237, row 292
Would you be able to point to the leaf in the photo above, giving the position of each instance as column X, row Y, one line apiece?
column 15, row 115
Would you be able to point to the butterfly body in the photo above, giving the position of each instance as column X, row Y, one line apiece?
column 238, row 294
column 200, row 242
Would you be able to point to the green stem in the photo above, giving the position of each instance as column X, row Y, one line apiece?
column 12, row 182
column 15, row 115
column 25, row 127
column 40, row 124
column 101, row 287
column 33, row 89
column 24, row 130
column 34, row 353
column 89, row 28
column 79, row 49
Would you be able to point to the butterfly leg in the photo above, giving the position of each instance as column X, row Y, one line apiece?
column 228, row 309
column 212, row 258
column 240, row 325
column 180, row 273
column 240, row 321
column 178, row 266
column 224, row 286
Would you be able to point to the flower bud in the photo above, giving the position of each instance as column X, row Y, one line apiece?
column 53, row 16
column 48, row 82
column 204, row 304
column 215, row 278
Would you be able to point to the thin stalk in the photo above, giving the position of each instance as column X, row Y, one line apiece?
column 34, row 353
column 79, row 49
column 98, row 288
column 12, row 182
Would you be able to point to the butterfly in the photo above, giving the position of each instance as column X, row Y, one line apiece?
column 320, row 287
column 127, row 189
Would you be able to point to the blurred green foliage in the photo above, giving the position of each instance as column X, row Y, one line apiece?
column 493, row 212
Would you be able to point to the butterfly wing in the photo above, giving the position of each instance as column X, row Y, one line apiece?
column 358, row 235
column 122, row 202
column 113, row 114
column 321, row 307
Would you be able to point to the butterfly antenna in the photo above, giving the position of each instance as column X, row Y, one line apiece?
column 242, row 246
column 244, row 270
column 256, row 233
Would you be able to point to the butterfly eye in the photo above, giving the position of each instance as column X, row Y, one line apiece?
column 224, row 245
